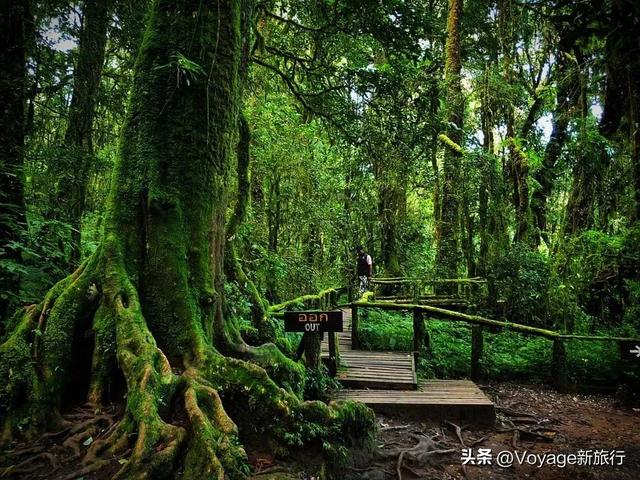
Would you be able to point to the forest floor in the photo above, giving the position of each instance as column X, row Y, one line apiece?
column 531, row 419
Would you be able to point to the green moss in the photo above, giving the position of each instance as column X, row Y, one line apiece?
column 284, row 371
column 17, row 370
column 450, row 144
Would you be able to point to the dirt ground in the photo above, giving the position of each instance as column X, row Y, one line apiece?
column 530, row 420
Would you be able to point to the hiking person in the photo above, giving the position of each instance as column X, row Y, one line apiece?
column 364, row 269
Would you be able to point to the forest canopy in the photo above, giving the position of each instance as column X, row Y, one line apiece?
column 170, row 169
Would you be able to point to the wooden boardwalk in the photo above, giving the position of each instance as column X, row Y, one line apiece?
column 387, row 382
column 367, row 369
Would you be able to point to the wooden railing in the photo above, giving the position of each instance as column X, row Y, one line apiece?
column 420, row 335
column 444, row 290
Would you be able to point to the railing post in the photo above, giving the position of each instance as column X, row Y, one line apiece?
column 355, row 342
column 419, row 333
column 333, row 353
column 312, row 342
column 477, row 344
column 560, row 379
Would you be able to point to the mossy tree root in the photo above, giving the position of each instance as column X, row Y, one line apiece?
column 176, row 411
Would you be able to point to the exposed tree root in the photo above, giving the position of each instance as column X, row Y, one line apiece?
column 458, row 431
column 421, row 453
column 177, row 414
column 22, row 469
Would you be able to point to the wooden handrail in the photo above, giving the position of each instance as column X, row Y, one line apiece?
column 304, row 298
column 426, row 281
column 559, row 359
column 328, row 299
column 478, row 320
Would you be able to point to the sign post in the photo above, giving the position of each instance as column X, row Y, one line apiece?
column 314, row 324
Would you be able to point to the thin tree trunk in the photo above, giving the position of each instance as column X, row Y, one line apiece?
column 392, row 199
column 566, row 100
column 78, row 138
column 233, row 267
column 485, row 175
column 447, row 253
column 433, row 155
column 274, row 214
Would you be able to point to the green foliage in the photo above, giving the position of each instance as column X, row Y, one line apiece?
column 507, row 355
column 357, row 428
column 631, row 321
column 384, row 330
column 183, row 67
column 521, row 277
column 319, row 384
column 600, row 272
column 451, row 350
column 593, row 363
column 43, row 256
column 239, row 313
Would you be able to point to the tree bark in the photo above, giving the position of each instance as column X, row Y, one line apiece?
column 78, row 139
column 152, row 293
column 486, row 120
column 566, row 100
column 447, row 248
column 392, row 200
column 233, row 268
column 274, row 219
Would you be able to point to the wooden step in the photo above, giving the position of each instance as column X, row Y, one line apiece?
column 377, row 370
column 454, row 400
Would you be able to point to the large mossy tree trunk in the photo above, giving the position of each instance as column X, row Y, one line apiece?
column 151, row 296
column 447, row 248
